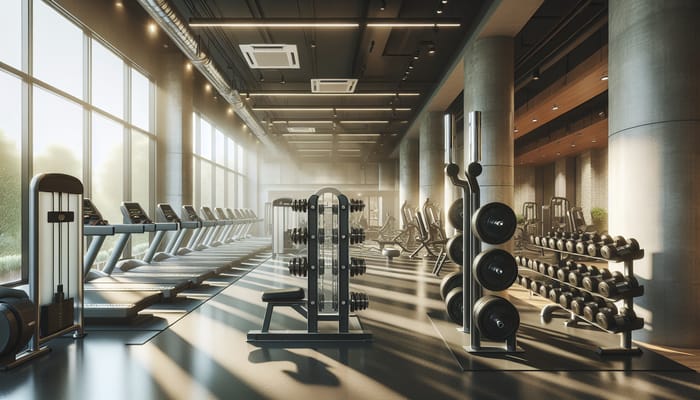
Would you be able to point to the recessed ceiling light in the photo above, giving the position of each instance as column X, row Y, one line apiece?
column 152, row 28
column 438, row 11
column 230, row 111
column 536, row 74
column 119, row 4
column 188, row 66
column 534, row 120
column 573, row 145
column 555, row 107
column 604, row 77
column 207, row 87
column 516, row 130
column 558, row 153
column 594, row 141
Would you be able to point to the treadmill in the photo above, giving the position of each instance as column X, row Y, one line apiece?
column 104, row 299
column 134, row 214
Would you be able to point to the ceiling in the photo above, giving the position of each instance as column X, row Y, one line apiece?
column 385, row 61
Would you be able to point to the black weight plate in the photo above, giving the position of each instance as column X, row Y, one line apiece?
column 454, row 302
column 496, row 318
column 455, row 214
column 495, row 269
column 449, row 282
column 454, row 249
column 494, row 223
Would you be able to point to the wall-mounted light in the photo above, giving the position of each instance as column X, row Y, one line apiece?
column 382, row 6
column 119, row 4
column 188, row 66
column 431, row 48
column 207, row 87
column 536, row 74
column 229, row 111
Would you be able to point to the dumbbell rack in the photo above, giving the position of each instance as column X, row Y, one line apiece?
column 626, row 347
column 328, row 268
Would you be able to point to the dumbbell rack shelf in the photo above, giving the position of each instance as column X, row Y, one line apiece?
column 626, row 347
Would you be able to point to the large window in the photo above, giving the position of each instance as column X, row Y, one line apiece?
column 10, row 177
column 85, row 111
column 58, row 50
column 219, row 162
column 58, row 134
column 11, row 33
column 107, row 80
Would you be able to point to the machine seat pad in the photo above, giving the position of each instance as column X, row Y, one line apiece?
column 391, row 252
column 290, row 294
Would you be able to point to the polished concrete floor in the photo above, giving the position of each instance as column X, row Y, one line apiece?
column 205, row 354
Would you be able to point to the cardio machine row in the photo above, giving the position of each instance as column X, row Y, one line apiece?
column 121, row 288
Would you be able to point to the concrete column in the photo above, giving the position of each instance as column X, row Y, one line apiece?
column 431, row 155
column 174, row 133
column 653, row 158
column 488, row 87
column 387, row 185
column 565, row 179
column 408, row 172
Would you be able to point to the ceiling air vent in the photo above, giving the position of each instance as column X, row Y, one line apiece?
column 301, row 129
column 333, row 85
column 275, row 56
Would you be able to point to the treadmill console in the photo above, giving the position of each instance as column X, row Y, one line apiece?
column 189, row 213
column 91, row 216
column 134, row 214
column 165, row 213
column 208, row 214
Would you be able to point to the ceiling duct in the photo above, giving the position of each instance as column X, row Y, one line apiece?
column 271, row 56
column 333, row 85
column 168, row 20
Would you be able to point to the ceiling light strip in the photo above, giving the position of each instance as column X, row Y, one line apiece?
column 321, row 23
column 310, row 94
column 365, row 122
column 331, row 109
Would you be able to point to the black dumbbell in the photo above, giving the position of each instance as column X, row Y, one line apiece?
column 593, row 248
column 358, row 301
column 579, row 302
column 570, row 244
column 532, row 239
column 618, row 284
column 552, row 241
column 552, row 270
column 517, row 260
column 535, row 286
column 532, row 264
column 525, row 282
column 591, row 282
column 593, row 307
column 584, row 241
column 563, row 272
column 554, row 294
column 613, row 321
column 567, row 300
column 545, row 289
column 582, row 271
column 628, row 248
column 561, row 242
column 542, row 268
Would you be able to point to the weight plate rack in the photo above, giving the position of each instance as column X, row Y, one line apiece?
column 601, row 286
column 484, row 317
